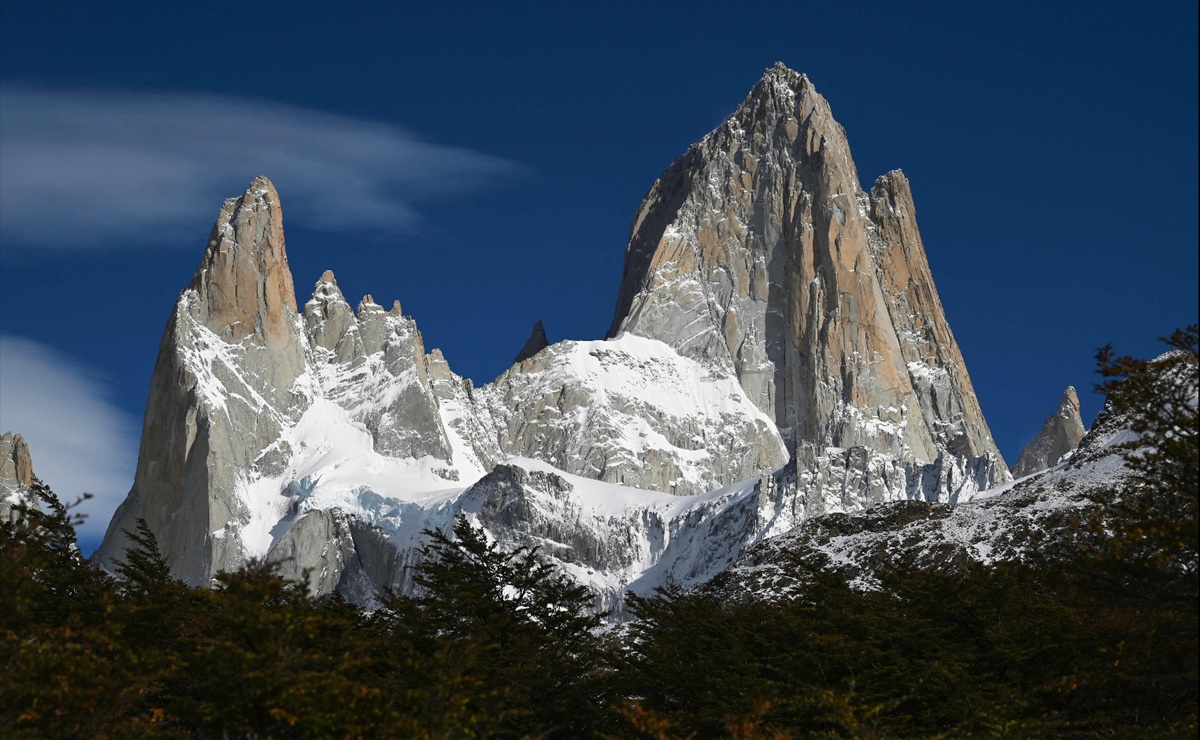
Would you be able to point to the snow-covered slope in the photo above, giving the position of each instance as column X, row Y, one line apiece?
column 632, row 410
column 1008, row 522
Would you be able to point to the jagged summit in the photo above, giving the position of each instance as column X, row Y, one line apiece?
column 759, row 252
column 778, row 351
column 243, row 283
column 536, row 343
column 16, row 476
column 1058, row 439
column 779, row 74
column 15, row 462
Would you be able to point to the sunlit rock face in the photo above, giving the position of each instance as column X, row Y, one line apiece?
column 238, row 370
column 16, row 477
column 778, row 352
column 1057, row 440
column 759, row 251
column 230, row 376
column 632, row 411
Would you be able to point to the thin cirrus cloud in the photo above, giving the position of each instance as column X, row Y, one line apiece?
column 79, row 440
column 101, row 170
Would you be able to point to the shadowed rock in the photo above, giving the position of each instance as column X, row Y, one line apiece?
column 537, row 342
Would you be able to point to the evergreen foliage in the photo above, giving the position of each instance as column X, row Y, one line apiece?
column 1098, row 638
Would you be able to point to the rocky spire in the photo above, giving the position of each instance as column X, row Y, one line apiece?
column 226, row 383
column 536, row 343
column 15, row 463
column 329, row 320
column 759, row 251
column 16, row 476
column 1058, row 439
column 243, row 282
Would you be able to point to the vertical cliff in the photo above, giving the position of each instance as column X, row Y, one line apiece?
column 759, row 251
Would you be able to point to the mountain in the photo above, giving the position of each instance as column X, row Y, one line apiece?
column 1058, row 439
column 16, row 476
column 1014, row 521
column 758, row 251
column 778, row 352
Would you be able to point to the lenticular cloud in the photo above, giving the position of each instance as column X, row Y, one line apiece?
column 135, row 169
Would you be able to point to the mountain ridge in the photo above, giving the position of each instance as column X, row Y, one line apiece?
column 329, row 438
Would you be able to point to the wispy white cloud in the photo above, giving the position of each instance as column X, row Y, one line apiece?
column 97, row 170
column 78, row 440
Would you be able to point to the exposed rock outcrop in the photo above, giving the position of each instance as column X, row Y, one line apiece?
column 536, row 343
column 373, row 364
column 778, row 352
column 759, row 251
column 238, row 371
column 261, row 416
column 230, row 377
column 16, row 476
column 16, row 465
column 1058, row 440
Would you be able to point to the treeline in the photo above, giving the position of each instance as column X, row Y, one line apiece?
column 1096, row 639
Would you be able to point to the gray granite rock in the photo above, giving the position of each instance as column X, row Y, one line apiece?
column 759, row 251
column 1057, row 440
column 632, row 411
column 231, row 375
column 778, row 351
column 16, row 477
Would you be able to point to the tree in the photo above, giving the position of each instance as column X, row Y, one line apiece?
column 535, row 629
column 1151, row 525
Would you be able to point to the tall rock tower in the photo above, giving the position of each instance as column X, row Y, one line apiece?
column 759, row 251
column 224, row 387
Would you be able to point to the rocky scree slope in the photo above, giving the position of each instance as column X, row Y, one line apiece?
column 779, row 353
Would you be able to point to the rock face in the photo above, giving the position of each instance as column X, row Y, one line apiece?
column 537, row 342
column 15, row 463
column 16, row 476
column 758, row 251
column 1058, row 439
column 264, row 421
column 238, row 370
column 373, row 364
column 778, row 352
column 230, row 376
column 1008, row 526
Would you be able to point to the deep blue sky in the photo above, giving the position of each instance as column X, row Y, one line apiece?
column 1052, row 150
